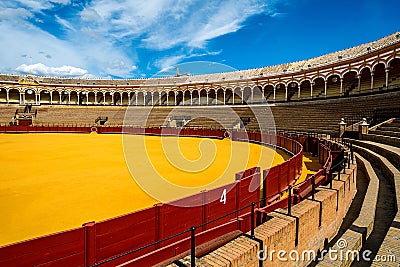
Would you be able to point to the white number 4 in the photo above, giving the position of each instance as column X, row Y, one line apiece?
column 223, row 197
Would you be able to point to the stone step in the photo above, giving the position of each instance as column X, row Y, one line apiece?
column 361, row 228
column 386, row 133
column 391, row 243
column 388, row 140
column 389, row 128
column 391, row 153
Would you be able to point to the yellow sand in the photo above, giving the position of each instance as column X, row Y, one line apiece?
column 54, row 182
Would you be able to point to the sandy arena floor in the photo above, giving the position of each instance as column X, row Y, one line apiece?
column 54, row 182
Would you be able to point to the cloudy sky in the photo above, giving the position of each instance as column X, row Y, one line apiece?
column 138, row 38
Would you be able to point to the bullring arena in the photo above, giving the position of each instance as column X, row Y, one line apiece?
column 207, row 170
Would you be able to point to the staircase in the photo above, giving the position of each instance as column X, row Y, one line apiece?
column 378, row 157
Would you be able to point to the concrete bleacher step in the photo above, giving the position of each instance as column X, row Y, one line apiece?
column 390, row 245
column 391, row 153
column 361, row 228
column 386, row 133
column 387, row 140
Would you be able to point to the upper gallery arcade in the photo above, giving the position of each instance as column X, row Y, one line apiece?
column 367, row 68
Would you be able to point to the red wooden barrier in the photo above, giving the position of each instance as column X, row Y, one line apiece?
column 99, row 241
column 61, row 249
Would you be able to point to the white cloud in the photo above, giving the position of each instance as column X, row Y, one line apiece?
column 39, row 5
column 43, row 70
column 167, row 62
column 64, row 23
column 104, row 35
column 163, row 24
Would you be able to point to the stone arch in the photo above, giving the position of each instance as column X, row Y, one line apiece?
column 30, row 96
column 108, row 100
column 379, row 74
column 212, row 96
column 350, row 82
column 91, row 98
column 237, row 96
column 3, row 95
column 179, row 97
column 117, row 98
column 280, row 92
column 203, row 97
column 13, row 95
column 228, row 96
column 186, row 97
column 219, row 97
column 365, row 79
column 333, row 87
column 305, row 89
column 292, row 90
column 246, row 95
column 394, row 73
column 269, row 92
column 318, row 84
column 44, row 96
column 196, row 97
column 258, row 95
column 139, row 99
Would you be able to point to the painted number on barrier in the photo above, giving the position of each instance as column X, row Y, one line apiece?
column 223, row 197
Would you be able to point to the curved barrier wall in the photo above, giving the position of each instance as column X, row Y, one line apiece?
column 161, row 232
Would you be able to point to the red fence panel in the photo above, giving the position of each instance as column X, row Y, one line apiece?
column 190, row 214
column 219, row 202
column 271, row 182
column 124, row 233
column 66, row 246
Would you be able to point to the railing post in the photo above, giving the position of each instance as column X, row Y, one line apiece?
column 193, row 247
column 252, row 219
column 290, row 201
column 313, row 187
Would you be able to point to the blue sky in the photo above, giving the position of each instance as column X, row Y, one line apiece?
column 137, row 38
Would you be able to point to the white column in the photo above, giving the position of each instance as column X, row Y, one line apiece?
column 263, row 95
column 286, row 95
column 95, row 98
column 175, row 94
column 387, row 77
column 274, row 93
column 20, row 98
column 152, row 98
column 372, row 81
column 167, row 98
column 359, row 83
column 69, row 97
column 183, row 98
column 112, row 98
column 242, row 91
column 191, row 98
column 298, row 93
column 159, row 98
column 224, row 97
column 51, row 97
column 199, row 97
column 8, row 96
column 311, row 89
column 252, row 95
column 122, row 97
column 326, row 87
column 136, row 93
column 144, row 98
column 207, row 98
column 233, row 97
column 104, row 98
column 341, row 86
column 60, row 95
